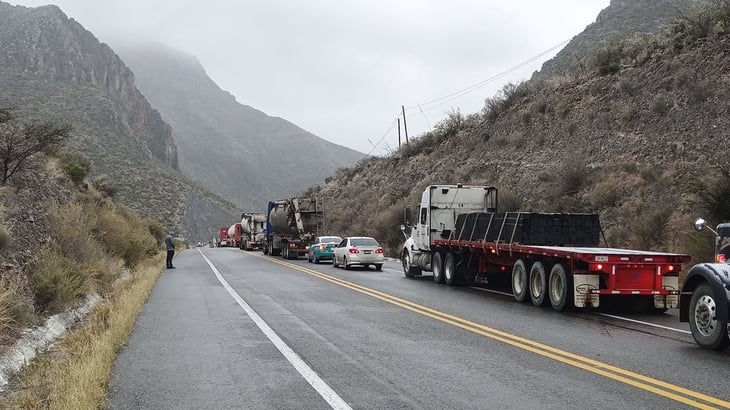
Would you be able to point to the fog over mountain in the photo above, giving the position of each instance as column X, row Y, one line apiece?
column 230, row 148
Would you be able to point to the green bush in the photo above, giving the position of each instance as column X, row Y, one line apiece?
column 607, row 60
column 75, row 166
column 660, row 105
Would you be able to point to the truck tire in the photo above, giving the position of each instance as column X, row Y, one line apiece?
column 707, row 331
column 560, row 288
column 452, row 276
column 409, row 270
column 520, row 280
column 438, row 267
column 538, row 284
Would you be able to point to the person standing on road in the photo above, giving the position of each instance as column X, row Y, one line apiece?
column 170, row 250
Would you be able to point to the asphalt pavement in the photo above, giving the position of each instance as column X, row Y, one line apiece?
column 367, row 339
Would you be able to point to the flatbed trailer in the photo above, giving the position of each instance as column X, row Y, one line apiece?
column 593, row 271
column 460, row 237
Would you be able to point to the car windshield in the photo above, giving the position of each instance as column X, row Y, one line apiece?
column 328, row 239
column 363, row 242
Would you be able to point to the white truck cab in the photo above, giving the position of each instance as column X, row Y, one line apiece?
column 436, row 219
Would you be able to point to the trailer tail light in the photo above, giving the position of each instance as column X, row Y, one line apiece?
column 379, row 250
column 720, row 258
column 595, row 267
column 354, row 250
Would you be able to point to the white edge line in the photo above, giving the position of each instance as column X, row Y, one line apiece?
column 490, row 291
column 324, row 390
column 644, row 323
column 602, row 314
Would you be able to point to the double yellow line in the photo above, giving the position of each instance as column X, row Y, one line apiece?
column 668, row 390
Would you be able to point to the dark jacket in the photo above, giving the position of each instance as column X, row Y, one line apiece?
column 169, row 243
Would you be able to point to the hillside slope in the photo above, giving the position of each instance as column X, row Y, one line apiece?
column 622, row 19
column 640, row 147
column 51, row 68
column 232, row 149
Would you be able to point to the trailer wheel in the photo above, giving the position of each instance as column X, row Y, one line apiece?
column 438, row 267
column 538, row 284
column 519, row 281
column 452, row 276
column 707, row 331
column 409, row 269
column 560, row 288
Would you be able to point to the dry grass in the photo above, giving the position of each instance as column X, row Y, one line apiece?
column 77, row 375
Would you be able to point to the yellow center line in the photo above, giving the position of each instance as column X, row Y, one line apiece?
column 640, row 381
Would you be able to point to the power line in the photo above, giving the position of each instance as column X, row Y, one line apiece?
column 456, row 94
column 467, row 90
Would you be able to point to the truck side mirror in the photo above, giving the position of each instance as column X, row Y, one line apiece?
column 407, row 216
column 700, row 224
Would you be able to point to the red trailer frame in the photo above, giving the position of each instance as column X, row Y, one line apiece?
column 619, row 271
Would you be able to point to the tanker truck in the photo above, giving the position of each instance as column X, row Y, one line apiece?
column 234, row 235
column 291, row 224
column 253, row 231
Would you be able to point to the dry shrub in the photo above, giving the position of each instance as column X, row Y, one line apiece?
column 647, row 232
column 4, row 236
column 7, row 322
column 71, row 227
column 57, row 281
column 16, row 312
column 388, row 223
column 625, row 111
column 509, row 201
column 605, row 193
column 125, row 235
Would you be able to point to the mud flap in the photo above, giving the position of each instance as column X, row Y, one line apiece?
column 668, row 301
column 583, row 287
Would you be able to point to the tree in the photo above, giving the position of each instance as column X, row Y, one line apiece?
column 19, row 142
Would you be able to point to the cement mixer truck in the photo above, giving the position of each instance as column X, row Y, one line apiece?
column 291, row 224
column 253, row 227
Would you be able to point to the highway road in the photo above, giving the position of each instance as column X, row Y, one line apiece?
column 235, row 329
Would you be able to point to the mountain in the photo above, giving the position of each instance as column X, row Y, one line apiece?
column 622, row 19
column 644, row 147
column 232, row 149
column 51, row 68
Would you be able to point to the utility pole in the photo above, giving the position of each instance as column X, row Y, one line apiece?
column 398, row 133
column 405, row 126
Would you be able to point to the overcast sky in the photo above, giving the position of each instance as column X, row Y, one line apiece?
column 341, row 69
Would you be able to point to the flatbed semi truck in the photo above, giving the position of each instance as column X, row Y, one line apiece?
column 461, row 238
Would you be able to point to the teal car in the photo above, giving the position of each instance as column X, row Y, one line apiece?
column 322, row 248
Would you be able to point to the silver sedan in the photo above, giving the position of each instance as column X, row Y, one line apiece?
column 359, row 250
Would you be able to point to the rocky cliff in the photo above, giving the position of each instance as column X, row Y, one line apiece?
column 232, row 149
column 43, row 44
column 51, row 68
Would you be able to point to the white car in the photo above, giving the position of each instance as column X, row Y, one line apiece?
column 359, row 250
